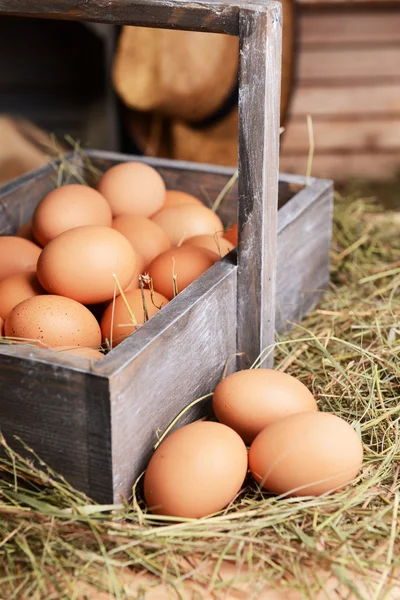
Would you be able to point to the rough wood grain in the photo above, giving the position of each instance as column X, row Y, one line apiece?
column 214, row 16
column 259, row 92
column 60, row 412
column 304, row 237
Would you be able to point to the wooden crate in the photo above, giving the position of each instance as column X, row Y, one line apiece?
column 96, row 424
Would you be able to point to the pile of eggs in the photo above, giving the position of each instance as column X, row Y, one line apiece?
column 295, row 450
column 94, row 264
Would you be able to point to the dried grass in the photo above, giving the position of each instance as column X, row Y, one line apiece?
column 347, row 352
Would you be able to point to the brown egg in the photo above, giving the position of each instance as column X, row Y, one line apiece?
column 133, row 188
column 250, row 400
column 80, row 264
column 134, row 284
column 177, row 198
column 17, row 255
column 146, row 237
column 231, row 234
column 196, row 471
column 186, row 262
column 306, row 454
column 215, row 243
column 25, row 231
column 53, row 321
column 1, row 326
column 90, row 353
column 67, row 207
column 117, row 323
column 16, row 288
column 188, row 220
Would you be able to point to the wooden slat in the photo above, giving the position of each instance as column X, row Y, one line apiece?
column 351, row 65
column 344, row 166
column 336, row 27
column 343, row 101
column 345, row 135
column 218, row 17
column 259, row 118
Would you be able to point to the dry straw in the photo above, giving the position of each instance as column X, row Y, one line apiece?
column 347, row 352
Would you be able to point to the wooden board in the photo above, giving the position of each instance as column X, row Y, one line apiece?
column 349, row 82
column 335, row 27
column 351, row 66
column 342, row 167
column 344, row 136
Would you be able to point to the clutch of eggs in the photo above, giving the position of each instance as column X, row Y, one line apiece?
column 295, row 450
column 64, row 271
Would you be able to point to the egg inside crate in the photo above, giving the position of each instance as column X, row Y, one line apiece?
column 251, row 399
column 196, row 471
column 16, row 288
column 306, row 454
column 17, row 255
column 133, row 188
column 147, row 238
column 185, row 263
column 90, row 353
column 127, row 314
column 215, row 243
column 81, row 264
column 178, row 198
column 188, row 220
column 53, row 321
column 66, row 207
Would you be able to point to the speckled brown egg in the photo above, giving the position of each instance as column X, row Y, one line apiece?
column 133, row 188
column 117, row 322
column 89, row 353
column 215, row 243
column 188, row 220
column 53, row 321
column 67, row 207
column 146, row 237
column 251, row 399
column 187, row 263
column 16, row 288
column 307, row 454
column 231, row 234
column 196, row 471
column 17, row 255
column 177, row 198
column 80, row 264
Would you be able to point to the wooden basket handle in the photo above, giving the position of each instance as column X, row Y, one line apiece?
column 259, row 27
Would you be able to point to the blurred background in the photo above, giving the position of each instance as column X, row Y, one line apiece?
column 342, row 68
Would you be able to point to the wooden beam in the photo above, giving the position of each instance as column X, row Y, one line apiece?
column 212, row 15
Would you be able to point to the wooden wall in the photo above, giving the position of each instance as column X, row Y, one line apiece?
column 348, row 80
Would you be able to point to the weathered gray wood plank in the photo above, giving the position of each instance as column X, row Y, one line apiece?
column 216, row 16
column 63, row 414
column 259, row 117
column 304, row 241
